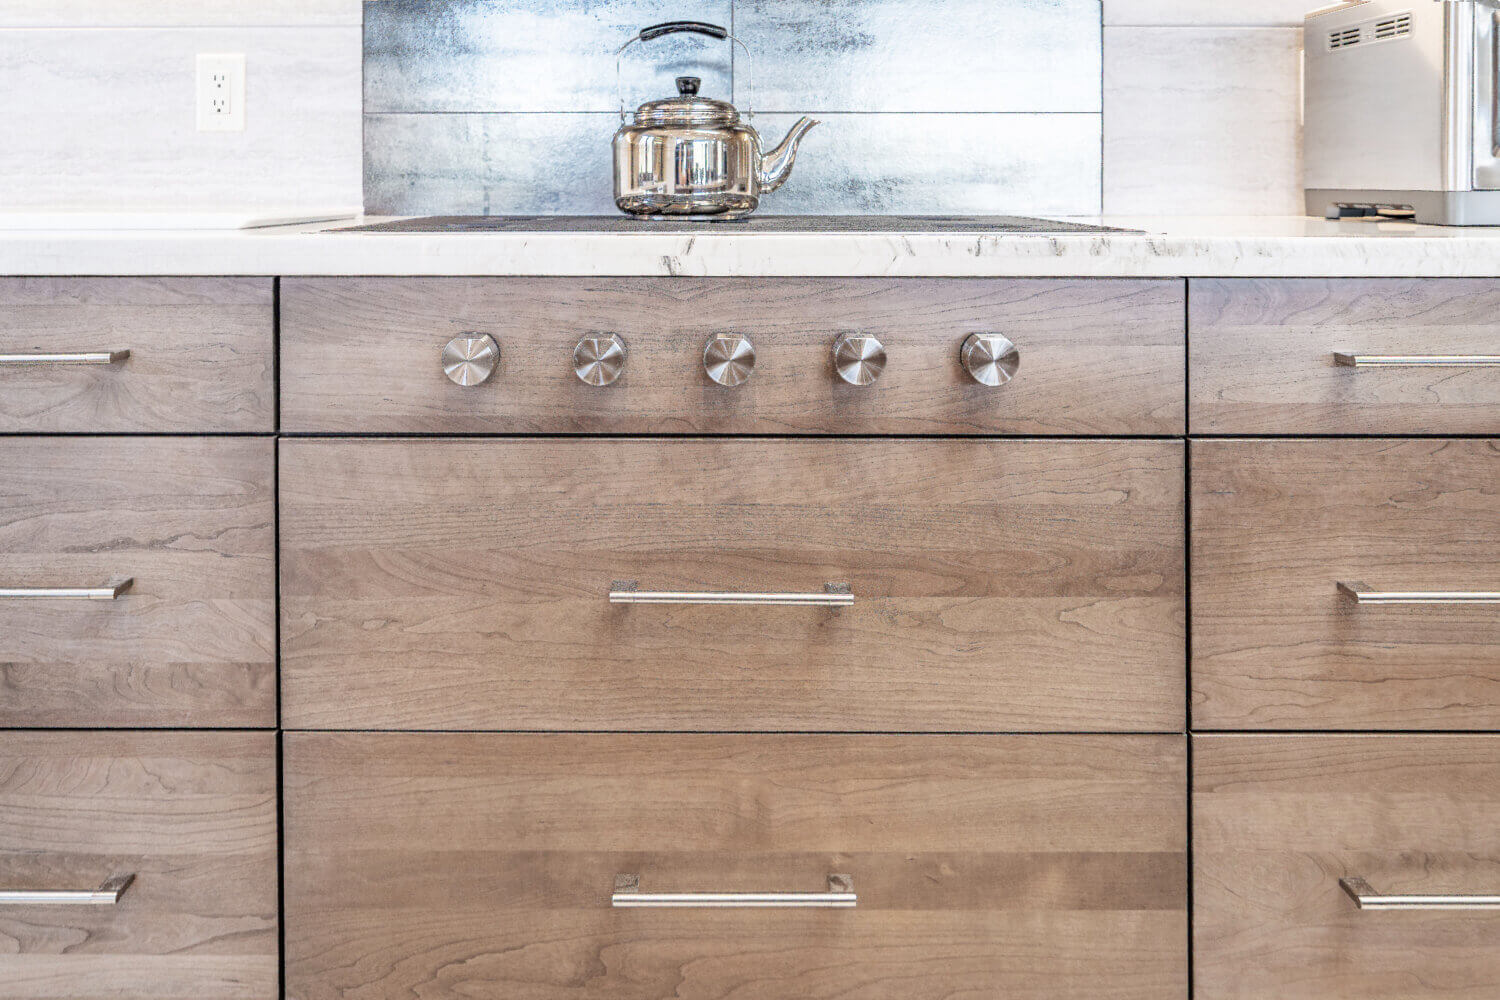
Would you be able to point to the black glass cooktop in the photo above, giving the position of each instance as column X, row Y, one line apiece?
column 1003, row 224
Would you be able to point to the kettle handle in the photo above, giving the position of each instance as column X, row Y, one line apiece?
column 674, row 27
column 678, row 27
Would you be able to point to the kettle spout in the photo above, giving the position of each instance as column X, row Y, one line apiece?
column 776, row 165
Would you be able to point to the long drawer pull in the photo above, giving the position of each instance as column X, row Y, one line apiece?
column 91, row 358
column 840, row 896
column 834, row 595
column 1366, row 898
column 108, row 894
column 109, row 592
column 1417, row 360
column 1363, row 593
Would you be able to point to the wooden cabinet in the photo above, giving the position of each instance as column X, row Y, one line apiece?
column 1279, row 525
column 363, row 355
column 191, row 816
column 1265, row 356
column 1278, row 821
column 996, row 585
column 136, row 355
column 463, row 865
column 189, row 524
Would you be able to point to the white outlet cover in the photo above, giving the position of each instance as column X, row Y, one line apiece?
column 221, row 92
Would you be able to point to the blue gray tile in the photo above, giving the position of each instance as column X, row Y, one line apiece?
column 489, row 164
column 921, row 55
column 533, row 55
column 959, row 164
column 509, row 164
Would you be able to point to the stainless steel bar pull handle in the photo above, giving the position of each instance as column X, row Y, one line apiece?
column 1417, row 360
column 833, row 595
column 1363, row 593
column 108, row 894
column 840, row 896
column 90, row 358
column 109, row 592
column 1366, row 898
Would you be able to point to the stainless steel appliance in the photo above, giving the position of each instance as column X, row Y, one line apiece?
column 1400, row 110
column 691, row 155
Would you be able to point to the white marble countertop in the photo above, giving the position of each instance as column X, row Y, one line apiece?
column 1166, row 247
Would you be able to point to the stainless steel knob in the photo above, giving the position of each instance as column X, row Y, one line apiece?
column 990, row 358
column 859, row 358
column 599, row 358
column 729, row 358
column 471, row 359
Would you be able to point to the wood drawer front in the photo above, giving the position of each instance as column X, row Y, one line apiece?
column 201, row 355
column 1263, row 356
column 1279, row 820
column 192, row 641
column 999, row 585
column 191, row 815
column 466, row 865
column 1098, row 356
column 1277, row 525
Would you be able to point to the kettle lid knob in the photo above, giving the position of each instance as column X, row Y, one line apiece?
column 687, row 86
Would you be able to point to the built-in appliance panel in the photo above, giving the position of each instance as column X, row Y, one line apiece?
column 729, row 584
column 137, row 355
column 635, row 867
column 732, row 355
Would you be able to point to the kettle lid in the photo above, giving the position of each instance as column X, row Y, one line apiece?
column 687, row 108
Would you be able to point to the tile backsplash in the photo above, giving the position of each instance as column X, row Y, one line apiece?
column 103, row 115
column 928, row 106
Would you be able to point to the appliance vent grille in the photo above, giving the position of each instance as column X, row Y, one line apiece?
column 1382, row 29
column 1344, row 38
column 1393, row 27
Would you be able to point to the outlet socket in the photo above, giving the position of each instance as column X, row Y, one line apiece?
column 221, row 92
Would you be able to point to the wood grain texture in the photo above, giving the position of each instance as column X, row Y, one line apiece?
column 1278, row 820
column 1097, row 356
column 192, row 643
column 474, row 865
column 193, row 815
column 1000, row 585
column 201, row 355
column 1276, row 526
column 1262, row 356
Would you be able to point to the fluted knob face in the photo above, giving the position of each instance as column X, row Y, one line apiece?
column 599, row 358
column 471, row 359
column 729, row 358
column 858, row 358
column 990, row 358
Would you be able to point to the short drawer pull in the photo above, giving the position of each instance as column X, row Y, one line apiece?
column 109, row 592
column 1363, row 593
column 108, row 894
column 1366, row 898
column 834, row 595
column 94, row 358
column 840, row 896
column 1418, row 360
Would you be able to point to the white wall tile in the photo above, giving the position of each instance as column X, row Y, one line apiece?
column 1210, row 13
column 108, row 119
column 1202, row 121
column 176, row 13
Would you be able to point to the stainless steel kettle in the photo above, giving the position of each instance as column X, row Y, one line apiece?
column 694, row 156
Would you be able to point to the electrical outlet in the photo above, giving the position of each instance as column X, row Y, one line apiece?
column 221, row 93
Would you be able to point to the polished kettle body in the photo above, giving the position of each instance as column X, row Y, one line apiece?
column 693, row 156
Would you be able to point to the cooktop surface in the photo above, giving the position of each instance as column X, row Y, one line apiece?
column 1005, row 224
